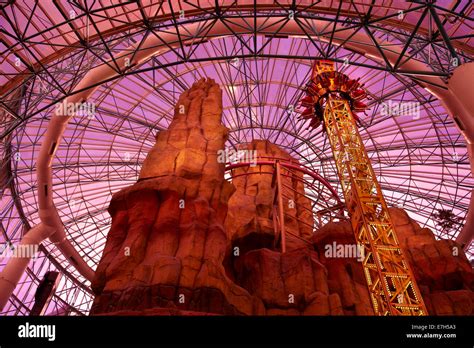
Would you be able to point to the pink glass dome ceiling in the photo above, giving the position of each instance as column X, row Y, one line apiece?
column 421, row 161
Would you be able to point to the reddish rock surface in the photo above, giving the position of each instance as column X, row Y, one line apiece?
column 292, row 283
column 443, row 273
column 171, row 247
column 250, row 216
column 346, row 280
column 167, row 242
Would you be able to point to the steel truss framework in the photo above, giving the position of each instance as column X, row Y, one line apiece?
column 47, row 47
column 390, row 281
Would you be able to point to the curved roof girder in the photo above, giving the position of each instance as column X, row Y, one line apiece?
column 159, row 43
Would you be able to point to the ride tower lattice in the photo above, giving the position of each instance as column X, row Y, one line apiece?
column 332, row 99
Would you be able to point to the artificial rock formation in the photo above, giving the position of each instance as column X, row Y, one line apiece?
column 172, row 245
column 164, row 253
column 292, row 283
column 250, row 216
column 442, row 271
column 346, row 280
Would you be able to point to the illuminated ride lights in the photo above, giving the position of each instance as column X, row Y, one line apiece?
column 333, row 99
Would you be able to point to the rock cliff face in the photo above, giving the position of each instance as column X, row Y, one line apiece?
column 346, row 280
column 184, row 241
column 250, row 216
column 443, row 273
column 167, row 243
column 293, row 283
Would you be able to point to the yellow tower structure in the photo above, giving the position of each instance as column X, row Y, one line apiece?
column 392, row 286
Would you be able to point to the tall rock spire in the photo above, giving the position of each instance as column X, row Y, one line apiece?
column 165, row 250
